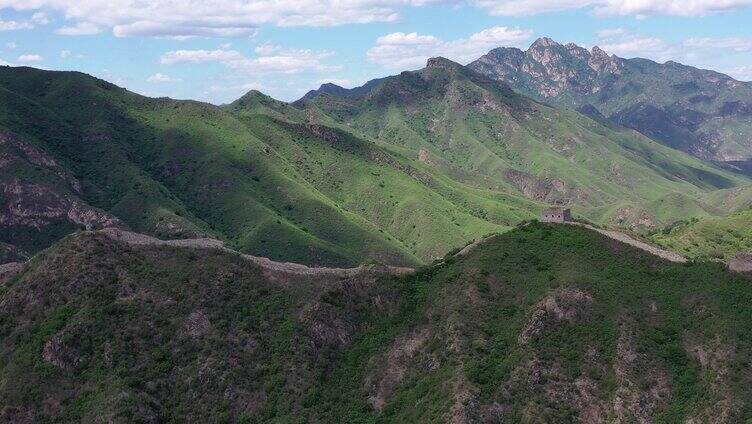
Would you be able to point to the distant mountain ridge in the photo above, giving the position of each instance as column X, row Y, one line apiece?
column 334, row 89
column 344, row 177
column 702, row 112
column 478, row 129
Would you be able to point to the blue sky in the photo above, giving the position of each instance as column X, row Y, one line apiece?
column 216, row 50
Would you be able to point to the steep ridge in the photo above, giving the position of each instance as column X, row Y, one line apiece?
column 479, row 131
column 177, row 169
column 702, row 112
column 335, row 181
column 136, row 239
column 551, row 323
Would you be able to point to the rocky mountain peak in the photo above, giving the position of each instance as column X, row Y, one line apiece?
column 543, row 42
column 442, row 62
column 597, row 51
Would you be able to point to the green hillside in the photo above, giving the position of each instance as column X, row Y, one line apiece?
column 479, row 131
column 186, row 169
column 404, row 171
column 545, row 323
column 715, row 237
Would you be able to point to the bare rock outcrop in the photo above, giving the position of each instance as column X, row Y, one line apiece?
column 9, row 270
column 568, row 305
column 392, row 367
column 53, row 196
column 741, row 263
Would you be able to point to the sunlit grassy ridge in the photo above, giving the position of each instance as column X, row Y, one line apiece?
column 337, row 180
column 509, row 143
column 709, row 238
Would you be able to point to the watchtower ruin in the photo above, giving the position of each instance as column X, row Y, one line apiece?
column 557, row 215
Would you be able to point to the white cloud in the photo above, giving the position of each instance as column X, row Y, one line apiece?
column 40, row 18
column 199, row 56
column 161, row 78
column 651, row 47
column 15, row 25
column 11, row 46
column 161, row 29
column 242, row 18
column 289, row 61
column 30, row 58
column 81, row 28
column 64, row 54
column 214, row 18
column 266, row 49
column 402, row 38
column 742, row 73
column 399, row 50
column 639, row 8
column 611, row 33
column 668, row 7
column 737, row 44
column 4, row 63
column 528, row 7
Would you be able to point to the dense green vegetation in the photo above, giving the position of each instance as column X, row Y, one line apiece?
column 545, row 323
column 710, row 238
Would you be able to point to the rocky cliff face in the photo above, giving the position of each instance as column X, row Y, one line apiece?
column 39, row 198
column 681, row 106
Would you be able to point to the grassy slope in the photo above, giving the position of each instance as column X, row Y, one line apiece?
column 716, row 237
column 501, row 334
column 483, row 129
column 191, row 163
column 256, row 176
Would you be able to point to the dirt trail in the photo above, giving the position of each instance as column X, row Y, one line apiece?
column 616, row 235
column 266, row 263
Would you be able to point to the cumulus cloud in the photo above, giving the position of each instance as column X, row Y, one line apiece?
column 650, row 47
column 241, row 18
column 737, row 44
column 38, row 18
column 288, row 61
column 30, row 58
column 611, row 33
column 81, row 28
column 742, row 73
column 200, row 56
column 161, row 78
column 399, row 50
column 213, row 18
column 402, row 38
column 668, row 7
column 637, row 8
column 160, row 29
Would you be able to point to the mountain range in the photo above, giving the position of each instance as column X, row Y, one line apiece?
column 705, row 113
column 373, row 254
column 337, row 178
